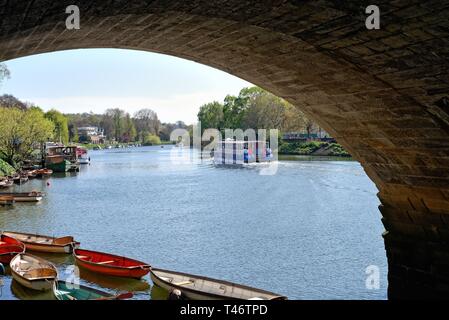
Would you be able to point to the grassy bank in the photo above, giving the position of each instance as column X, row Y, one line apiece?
column 313, row 148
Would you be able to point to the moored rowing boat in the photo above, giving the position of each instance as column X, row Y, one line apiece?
column 203, row 288
column 9, row 248
column 33, row 272
column 6, row 183
column 110, row 264
column 33, row 196
column 66, row 291
column 6, row 201
column 40, row 243
column 44, row 173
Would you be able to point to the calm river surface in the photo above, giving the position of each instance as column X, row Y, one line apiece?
column 307, row 232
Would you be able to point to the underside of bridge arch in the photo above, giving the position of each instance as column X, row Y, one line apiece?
column 383, row 94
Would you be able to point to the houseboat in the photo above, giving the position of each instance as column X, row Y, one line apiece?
column 61, row 158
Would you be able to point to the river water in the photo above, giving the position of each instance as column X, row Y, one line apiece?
column 308, row 232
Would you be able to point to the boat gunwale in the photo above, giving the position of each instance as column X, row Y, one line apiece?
column 42, row 236
column 144, row 265
column 225, row 282
column 52, row 267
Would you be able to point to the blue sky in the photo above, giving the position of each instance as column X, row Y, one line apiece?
column 96, row 79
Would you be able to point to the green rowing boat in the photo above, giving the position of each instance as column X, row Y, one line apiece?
column 65, row 291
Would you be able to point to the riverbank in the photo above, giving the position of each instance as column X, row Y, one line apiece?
column 91, row 146
column 313, row 148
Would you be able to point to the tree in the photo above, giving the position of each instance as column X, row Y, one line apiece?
column 129, row 130
column 211, row 116
column 4, row 72
column 146, row 121
column 265, row 111
column 61, row 131
column 115, row 116
column 294, row 120
column 9, row 101
column 20, row 131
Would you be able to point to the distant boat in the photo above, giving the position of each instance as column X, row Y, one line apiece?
column 33, row 196
column 110, row 264
column 9, row 248
column 203, row 288
column 62, row 291
column 31, row 174
column 20, row 178
column 33, row 272
column 6, row 200
column 84, row 160
column 40, row 243
column 44, row 173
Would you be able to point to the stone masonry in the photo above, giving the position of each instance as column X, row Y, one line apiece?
column 384, row 94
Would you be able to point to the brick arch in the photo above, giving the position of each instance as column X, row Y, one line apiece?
column 381, row 93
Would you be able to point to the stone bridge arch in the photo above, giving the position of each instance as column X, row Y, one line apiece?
column 382, row 93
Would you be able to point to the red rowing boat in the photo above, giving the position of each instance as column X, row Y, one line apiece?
column 9, row 248
column 110, row 264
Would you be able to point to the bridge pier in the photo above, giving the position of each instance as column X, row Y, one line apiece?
column 417, row 249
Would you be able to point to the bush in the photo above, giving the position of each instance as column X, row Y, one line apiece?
column 337, row 150
column 151, row 140
column 6, row 169
column 308, row 148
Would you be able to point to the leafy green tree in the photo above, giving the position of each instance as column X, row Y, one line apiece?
column 21, row 132
column 211, row 116
column 61, row 131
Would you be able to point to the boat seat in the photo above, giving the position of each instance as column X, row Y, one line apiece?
column 166, row 279
column 183, row 283
column 106, row 262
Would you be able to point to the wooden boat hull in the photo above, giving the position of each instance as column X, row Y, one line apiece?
column 7, row 201
column 9, row 248
column 23, row 197
column 37, row 282
column 66, row 246
column 44, row 173
column 190, row 291
column 63, row 166
column 38, row 285
column 135, row 272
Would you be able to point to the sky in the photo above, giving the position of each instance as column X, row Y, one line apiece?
column 86, row 80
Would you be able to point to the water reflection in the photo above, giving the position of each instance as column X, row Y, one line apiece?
column 22, row 293
column 138, row 287
column 157, row 293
